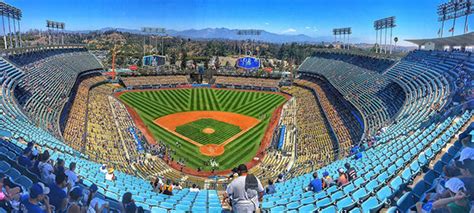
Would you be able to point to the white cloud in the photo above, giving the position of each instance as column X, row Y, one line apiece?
column 266, row 23
column 307, row 28
column 289, row 30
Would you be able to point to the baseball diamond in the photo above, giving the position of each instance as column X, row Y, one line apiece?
column 177, row 118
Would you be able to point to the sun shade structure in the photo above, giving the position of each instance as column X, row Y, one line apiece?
column 463, row 41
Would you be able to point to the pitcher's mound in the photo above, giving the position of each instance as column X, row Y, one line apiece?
column 208, row 130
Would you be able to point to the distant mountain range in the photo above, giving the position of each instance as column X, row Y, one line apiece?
column 229, row 34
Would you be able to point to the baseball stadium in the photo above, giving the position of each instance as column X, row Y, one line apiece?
column 101, row 115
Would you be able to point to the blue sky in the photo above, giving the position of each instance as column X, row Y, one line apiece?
column 415, row 18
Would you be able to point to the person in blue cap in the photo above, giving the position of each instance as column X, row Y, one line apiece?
column 37, row 200
column 327, row 180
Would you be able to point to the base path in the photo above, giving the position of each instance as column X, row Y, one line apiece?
column 170, row 122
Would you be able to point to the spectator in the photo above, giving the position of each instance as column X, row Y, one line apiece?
column 342, row 180
column 457, row 201
column 316, row 185
column 31, row 146
column 103, row 169
column 468, row 151
column 25, row 159
column 157, row 183
column 245, row 191
column 58, row 197
column 194, row 188
column 167, row 188
column 327, row 180
column 8, row 192
column 128, row 204
column 95, row 204
column 37, row 200
column 59, row 167
column 110, row 174
column 467, row 177
column 74, row 205
column 177, row 186
column 46, row 169
column 351, row 173
column 280, row 178
column 271, row 189
column 71, row 174
column 35, row 168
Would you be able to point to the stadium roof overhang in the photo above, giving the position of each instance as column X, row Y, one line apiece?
column 463, row 41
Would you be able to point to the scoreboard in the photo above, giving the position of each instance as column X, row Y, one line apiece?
column 248, row 63
column 154, row 60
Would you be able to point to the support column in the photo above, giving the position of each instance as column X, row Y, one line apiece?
column 15, row 36
column 376, row 40
column 10, row 32
column 19, row 33
column 348, row 44
column 442, row 28
column 385, row 43
column 391, row 40
column 4, row 33
column 466, row 24
column 380, row 44
column 454, row 25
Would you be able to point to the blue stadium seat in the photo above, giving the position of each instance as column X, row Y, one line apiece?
column 406, row 202
column 345, row 204
column 360, row 194
column 4, row 166
column 307, row 208
column 329, row 209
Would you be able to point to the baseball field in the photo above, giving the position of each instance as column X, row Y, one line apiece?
column 206, row 128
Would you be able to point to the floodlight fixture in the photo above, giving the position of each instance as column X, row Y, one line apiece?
column 452, row 10
column 14, row 14
column 381, row 25
column 342, row 32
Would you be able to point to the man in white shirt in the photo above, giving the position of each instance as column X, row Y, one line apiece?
column 245, row 191
column 194, row 188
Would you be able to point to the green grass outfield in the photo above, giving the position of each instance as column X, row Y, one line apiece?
column 193, row 130
column 151, row 105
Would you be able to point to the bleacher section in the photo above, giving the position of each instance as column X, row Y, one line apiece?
column 74, row 131
column 47, row 83
column 251, row 83
column 376, row 96
column 362, row 61
column 315, row 144
column 345, row 126
column 149, row 81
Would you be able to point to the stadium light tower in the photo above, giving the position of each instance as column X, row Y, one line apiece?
column 54, row 25
column 342, row 32
column 154, row 31
column 250, row 32
column 452, row 10
column 15, row 14
column 384, row 24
